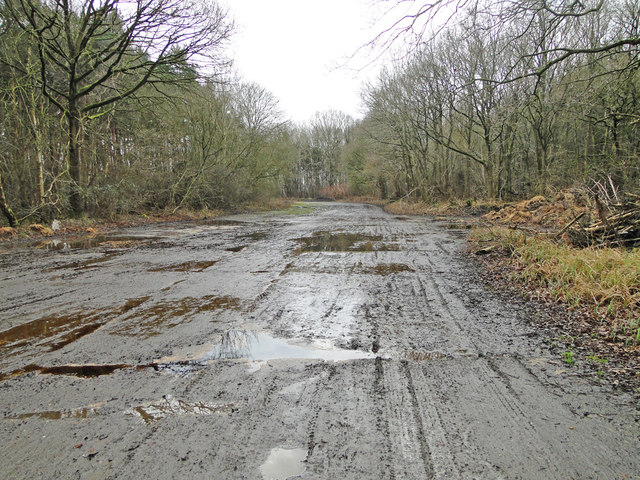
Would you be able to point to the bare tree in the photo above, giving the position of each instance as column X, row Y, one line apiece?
column 95, row 53
column 416, row 22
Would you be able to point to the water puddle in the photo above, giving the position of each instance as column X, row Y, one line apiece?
column 255, row 236
column 221, row 222
column 193, row 266
column 342, row 242
column 83, row 243
column 261, row 347
column 84, row 264
column 284, row 463
column 85, row 371
column 49, row 326
column 159, row 317
column 84, row 412
column 170, row 406
column 58, row 330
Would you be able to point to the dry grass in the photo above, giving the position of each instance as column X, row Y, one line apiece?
column 455, row 207
column 606, row 279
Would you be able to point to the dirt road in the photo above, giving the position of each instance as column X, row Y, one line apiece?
column 333, row 342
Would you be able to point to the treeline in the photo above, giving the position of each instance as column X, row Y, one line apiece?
column 111, row 107
column 510, row 99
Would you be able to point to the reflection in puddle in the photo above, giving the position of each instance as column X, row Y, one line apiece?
column 258, row 346
column 169, row 406
column 284, row 463
column 193, row 266
column 342, row 242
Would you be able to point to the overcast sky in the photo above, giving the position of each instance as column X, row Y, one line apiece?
column 294, row 48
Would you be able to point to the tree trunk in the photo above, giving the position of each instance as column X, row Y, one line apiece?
column 73, row 154
column 8, row 213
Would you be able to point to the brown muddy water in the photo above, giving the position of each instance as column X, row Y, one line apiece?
column 340, row 342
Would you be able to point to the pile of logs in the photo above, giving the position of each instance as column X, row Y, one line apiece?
column 617, row 225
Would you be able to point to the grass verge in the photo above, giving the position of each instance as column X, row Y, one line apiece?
column 605, row 281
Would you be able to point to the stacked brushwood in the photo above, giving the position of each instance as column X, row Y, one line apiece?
column 617, row 224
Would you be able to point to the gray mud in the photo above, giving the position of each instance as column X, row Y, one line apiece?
column 344, row 343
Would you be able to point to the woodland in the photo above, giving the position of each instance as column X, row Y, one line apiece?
column 111, row 107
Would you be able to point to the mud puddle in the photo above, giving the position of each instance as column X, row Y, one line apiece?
column 149, row 412
column 383, row 269
column 342, row 242
column 162, row 316
column 193, row 266
column 255, row 347
column 223, row 222
column 84, row 264
column 284, row 463
column 170, row 406
column 84, row 371
column 84, row 243
column 255, row 236
column 237, row 249
column 59, row 330
column 57, row 414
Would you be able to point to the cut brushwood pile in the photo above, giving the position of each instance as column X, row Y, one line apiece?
column 582, row 219
column 616, row 225
column 540, row 211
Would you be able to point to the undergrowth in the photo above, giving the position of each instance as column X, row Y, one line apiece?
column 607, row 280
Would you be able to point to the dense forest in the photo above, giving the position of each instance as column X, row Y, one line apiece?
column 114, row 107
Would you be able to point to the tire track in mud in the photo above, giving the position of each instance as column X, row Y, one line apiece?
column 463, row 338
column 383, row 420
column 409, row 451
column 315, row 409
column 33, row 301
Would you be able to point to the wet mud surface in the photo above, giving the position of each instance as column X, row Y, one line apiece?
column 340, row 343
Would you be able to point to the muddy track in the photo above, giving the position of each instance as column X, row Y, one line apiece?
column 342, row 343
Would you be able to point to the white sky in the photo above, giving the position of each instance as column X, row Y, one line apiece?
column 294, row 49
